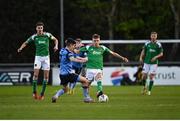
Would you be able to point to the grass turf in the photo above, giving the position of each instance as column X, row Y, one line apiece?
column 126, row 102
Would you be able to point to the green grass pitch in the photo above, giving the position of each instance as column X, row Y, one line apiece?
column 125, row 102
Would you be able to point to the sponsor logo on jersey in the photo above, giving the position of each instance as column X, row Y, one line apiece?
column 96, row 53
column 41, row 42
column 152, row 50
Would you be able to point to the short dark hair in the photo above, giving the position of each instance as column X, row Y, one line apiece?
column 70, row 41
column 153, row 32
column 39, row 23
column 78, row 39
column 95, row 36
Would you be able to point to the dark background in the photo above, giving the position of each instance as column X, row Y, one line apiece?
column 112, row 19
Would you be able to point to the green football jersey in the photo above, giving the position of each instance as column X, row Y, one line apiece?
column 95, row 56
column 41, row 43
column 151, row 50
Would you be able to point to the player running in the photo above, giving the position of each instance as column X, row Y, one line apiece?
column 94, row 65
column 151, row 52
column 42, row 60
column 67, row 73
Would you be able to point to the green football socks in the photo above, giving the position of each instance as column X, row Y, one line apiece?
column 144, row 82
column 34, row 86
column 150, row 85
column 43, row 87
column 99, row 86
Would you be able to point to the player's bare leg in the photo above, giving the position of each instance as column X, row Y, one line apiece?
column 59, row 93
column 85, row 86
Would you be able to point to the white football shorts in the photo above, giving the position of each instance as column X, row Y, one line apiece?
column 94, row 74
column 150, row 68
column 42, row 62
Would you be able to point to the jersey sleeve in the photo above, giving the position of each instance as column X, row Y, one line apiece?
column 30, row 39
column 145, row 46
column 106, row 49
column 70, row 55
column 84, row 49
column 64, row 53
column 50, row 36
column 160, row 48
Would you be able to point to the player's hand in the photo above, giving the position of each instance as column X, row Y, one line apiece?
column 125, row 59
column 153, row 59
column 55, row 48
column 19, row 50
column 81, row 58
column 84, row 60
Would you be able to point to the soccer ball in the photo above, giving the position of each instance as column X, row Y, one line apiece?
column 103, row 98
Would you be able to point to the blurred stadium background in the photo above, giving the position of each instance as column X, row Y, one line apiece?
column 113, row 19
column 124, row 26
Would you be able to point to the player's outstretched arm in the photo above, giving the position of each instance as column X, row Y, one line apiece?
column 141, row 56
column 119, row 56
column 21, row 47
column 82, row 60
column 55, row 43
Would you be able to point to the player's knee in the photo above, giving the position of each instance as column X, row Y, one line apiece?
column 144, row 77
column 151, row 76
column 35, row 77
column 98, row 76
column 65, row 89
column 89, row 83
column 85, row 84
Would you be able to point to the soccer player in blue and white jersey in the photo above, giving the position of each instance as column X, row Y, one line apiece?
column 77, row 66
column 67, row 73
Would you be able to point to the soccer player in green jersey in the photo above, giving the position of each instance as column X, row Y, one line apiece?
column 94, row 65
column 42, row 60
column 150, row 54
